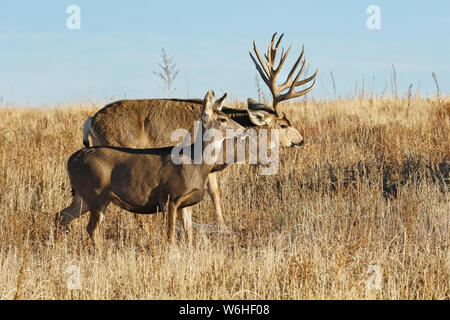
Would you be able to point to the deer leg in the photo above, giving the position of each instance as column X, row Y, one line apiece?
column 186, row 215
column 72, row 212
column 172, row 217
column 214, row 193
column 95, row 220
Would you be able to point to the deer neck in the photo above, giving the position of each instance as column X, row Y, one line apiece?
column 204, row 156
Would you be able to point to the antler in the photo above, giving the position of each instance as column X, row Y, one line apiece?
column 269, row 74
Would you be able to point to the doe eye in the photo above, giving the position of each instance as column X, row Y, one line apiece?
column 283, row 126
column 223, row 120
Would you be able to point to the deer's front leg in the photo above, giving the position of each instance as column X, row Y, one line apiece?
column 172, row 221
column 214, row 193
column 186, row 215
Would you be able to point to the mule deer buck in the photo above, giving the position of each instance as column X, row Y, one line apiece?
column 148, row 123
column 144, row 180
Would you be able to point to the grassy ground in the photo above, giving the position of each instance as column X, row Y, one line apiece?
column 367, row 196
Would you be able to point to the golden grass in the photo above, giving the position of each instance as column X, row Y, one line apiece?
column 370, row 187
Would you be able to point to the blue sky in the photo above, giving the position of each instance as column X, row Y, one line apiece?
column 118, row 47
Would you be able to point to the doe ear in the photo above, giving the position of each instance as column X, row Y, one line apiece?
column 260, row 117
column 208, row 103
column 219, row 102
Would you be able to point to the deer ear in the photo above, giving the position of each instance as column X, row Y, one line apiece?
column 219, row 102
column 253, row 105
column 260, row 117
column 208, row 103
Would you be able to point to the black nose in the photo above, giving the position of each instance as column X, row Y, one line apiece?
column 299, row 143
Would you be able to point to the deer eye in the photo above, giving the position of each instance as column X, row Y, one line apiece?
column 283, row 126
column 223, row 120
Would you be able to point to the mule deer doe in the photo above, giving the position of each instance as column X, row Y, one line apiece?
column 147, row 123
column 145, row 180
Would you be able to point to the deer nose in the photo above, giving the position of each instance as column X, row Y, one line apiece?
column 298, row 144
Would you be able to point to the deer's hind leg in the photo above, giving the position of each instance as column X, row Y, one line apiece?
column 72, row 212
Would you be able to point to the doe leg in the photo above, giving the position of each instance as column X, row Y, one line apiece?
column 172, row 217
column 186, row 215
column 95, row 221
column 72, row 212
column 214, row 193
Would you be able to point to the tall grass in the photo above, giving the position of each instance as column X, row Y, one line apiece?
column 369, row 188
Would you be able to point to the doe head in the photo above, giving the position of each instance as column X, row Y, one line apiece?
column 214, row 119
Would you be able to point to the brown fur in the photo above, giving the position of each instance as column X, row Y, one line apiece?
column 143, row 123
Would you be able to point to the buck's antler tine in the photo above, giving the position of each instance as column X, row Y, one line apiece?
column 305, row 91
column 298, row 74
column 282, row 59
column 270, row 56
column 273, row 51
column 301, row 82
column 261, row 61
column 293, row 94
column 288, row 82
column 260, row 71
column 279, row 40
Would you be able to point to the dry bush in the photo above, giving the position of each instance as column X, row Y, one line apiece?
column 369, row 187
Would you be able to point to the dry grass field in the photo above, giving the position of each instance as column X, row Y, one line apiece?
column 370, row 187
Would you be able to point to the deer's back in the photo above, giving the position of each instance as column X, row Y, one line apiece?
column 144, row 123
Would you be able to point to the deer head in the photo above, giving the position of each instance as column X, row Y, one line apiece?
column 272, row 117
column 214, row 119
